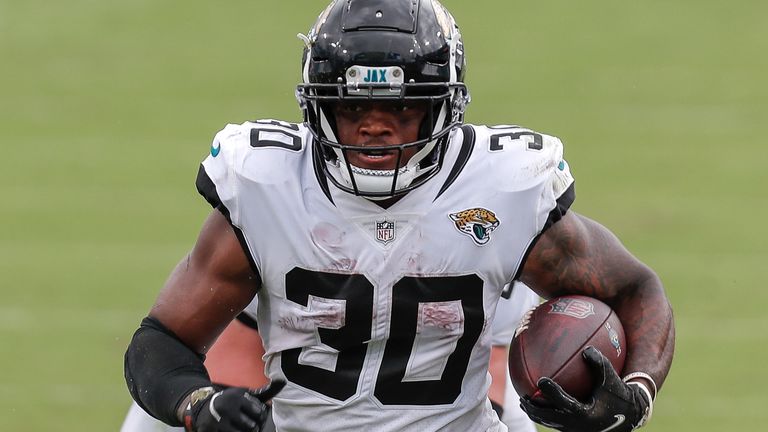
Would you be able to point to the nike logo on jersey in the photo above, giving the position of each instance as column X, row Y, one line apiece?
column 619, row 421
column 215, row 149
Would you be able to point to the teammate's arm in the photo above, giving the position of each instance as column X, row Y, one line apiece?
column 579, row 256
column 497, row 367
column 235, row 358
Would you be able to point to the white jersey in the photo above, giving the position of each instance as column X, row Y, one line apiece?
column 510, row 311
column 382, row 316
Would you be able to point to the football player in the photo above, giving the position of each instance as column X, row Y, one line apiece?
column 378, row 235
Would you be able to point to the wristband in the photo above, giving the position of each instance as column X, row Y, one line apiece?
column 195, row 397
column 645, row 376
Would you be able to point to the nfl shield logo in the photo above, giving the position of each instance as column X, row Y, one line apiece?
column 385, row 232
column 573, row 307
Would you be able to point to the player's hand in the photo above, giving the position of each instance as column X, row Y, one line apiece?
column 615, row 405
column 235, row 409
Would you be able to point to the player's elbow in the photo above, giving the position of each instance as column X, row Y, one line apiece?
column 641, row 288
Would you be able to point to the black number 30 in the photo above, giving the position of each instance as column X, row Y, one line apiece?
column 409, row 297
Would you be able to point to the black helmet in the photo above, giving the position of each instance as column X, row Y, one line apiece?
column 408, row 50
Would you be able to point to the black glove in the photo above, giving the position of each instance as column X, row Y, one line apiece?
column 615, row 405
column 235, row 409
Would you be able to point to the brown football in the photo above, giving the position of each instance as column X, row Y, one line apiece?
column 551, row 338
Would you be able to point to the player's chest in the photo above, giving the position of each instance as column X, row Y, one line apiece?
column 446, row 237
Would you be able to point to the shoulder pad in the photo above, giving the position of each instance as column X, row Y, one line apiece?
column 249, row 154
column 522, row 157
column 256, row 150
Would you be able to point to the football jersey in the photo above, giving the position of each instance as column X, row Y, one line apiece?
column 381, row 318
column 509, row 312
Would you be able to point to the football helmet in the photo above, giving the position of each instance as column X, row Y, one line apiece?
column 388, row 50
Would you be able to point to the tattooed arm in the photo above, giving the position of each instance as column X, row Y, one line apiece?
column 579, row 256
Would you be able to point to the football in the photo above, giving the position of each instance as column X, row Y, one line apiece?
column 551, row 337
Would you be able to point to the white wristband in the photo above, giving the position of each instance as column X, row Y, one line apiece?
column 645, row 376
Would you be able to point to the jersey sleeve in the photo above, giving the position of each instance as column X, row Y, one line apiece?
column 219, row 180
column 530, row 161
column 552, row 173
column 248, row 315
column 526, row 163
column 559, row 194
column 217, row 177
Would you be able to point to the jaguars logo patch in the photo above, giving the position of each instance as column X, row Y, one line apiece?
column 477, row 223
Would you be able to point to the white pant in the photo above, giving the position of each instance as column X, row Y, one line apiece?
column 139, row 421
column 514, row 417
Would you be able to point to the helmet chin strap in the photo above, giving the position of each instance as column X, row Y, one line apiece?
column 376, row 181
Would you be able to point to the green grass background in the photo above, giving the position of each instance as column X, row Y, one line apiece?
column 106, row 109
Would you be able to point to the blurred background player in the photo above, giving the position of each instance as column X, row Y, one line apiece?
column 504, row 399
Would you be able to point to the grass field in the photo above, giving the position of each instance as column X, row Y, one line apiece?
column 106, row 109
